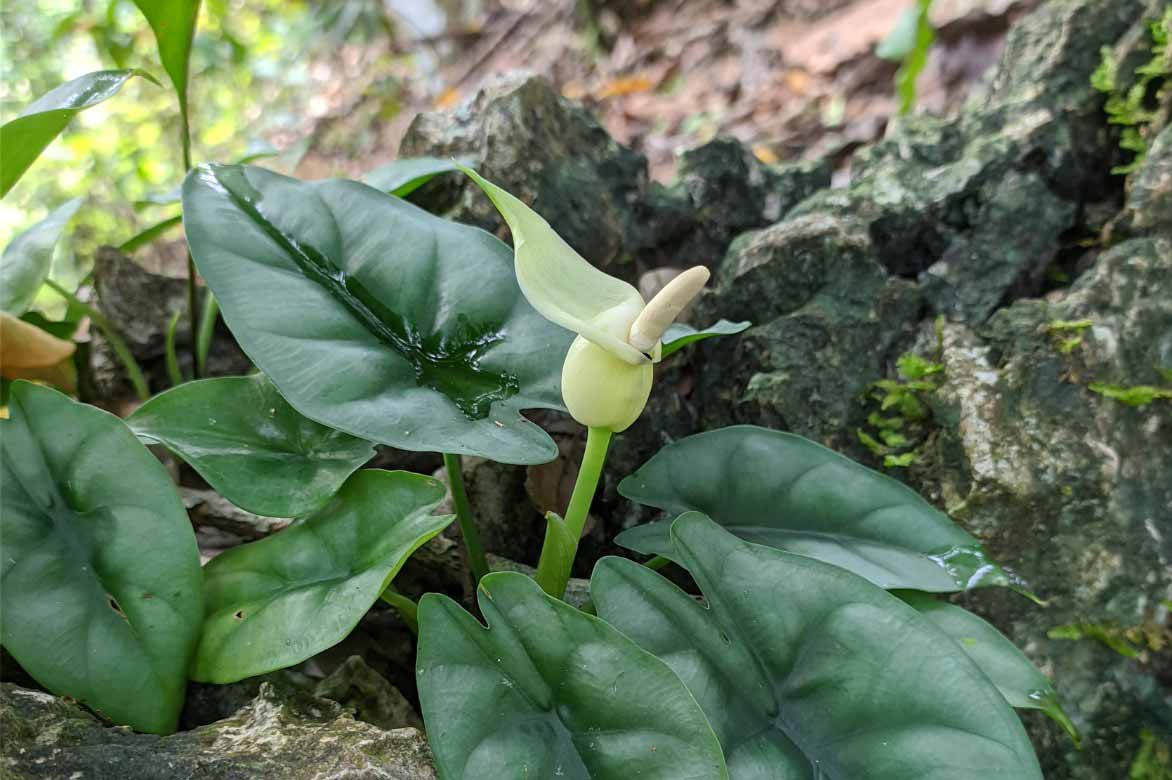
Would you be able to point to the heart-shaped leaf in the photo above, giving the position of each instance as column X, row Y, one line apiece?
column 402, row 177
column 679, row 335
column 806, row 671
column 25, row 263
column 374, row 317
column 1019, row 681
column 275, row 602
column 102, row 595
column 784, row 491
column 25, row 137
column 548, row 691
column 250, row 445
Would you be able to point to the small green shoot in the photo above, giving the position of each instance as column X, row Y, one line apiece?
column 1153, row 760
column 1136, row 395
column 1067, row 334
column 908, row 43
column 1131, row 106
column 899, row 427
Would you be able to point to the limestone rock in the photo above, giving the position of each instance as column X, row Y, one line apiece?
column 551, row 153
column 1149, row 197
column 827, row 315
column 729, row 192
column 373, row 700
column 139, row 305
column 595, row 192
column 974, row 206
column 1072, row 489
column 280, row 734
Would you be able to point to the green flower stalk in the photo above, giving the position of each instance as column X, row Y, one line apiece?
column 609, row 368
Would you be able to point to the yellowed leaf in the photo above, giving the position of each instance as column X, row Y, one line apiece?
column 27, row 352
column 626, row 85
column 448, row 98
column 765, row 154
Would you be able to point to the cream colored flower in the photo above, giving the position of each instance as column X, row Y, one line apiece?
column 607, row 374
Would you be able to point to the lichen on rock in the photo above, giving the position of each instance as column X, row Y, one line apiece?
column 282, row 733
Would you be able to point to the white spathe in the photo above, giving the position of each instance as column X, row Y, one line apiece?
column 606, row 378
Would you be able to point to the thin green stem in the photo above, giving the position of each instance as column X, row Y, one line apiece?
column 477, row 562
column 656, row 563
column 207, row 330
column 408, row 609
column 561, row 535
column 116, row 343
column 185, row 131
column 597, row 441
column 185, row 134
column 194, row 316
column 172, row 359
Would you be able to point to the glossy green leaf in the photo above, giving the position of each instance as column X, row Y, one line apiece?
column 102, row 592
column 25, row 264
column 257, row 150
column 25, row 137
column 784, row 491
column 1019, row 681
column 250, row 445
column 807, row 672
column 374, row 317
column 173, row 22
column 275, row 602
column 679, row 335
column 402, row 177
column 547, row 691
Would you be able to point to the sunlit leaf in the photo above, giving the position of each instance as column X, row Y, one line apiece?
column 784, row 491
column 25, row 137
column 806, row 671
column 102, row 595
column 250, row 445
column 547, row 691
column 275, row 602
column 27, row 259
column 374, row 317
column 173, row 22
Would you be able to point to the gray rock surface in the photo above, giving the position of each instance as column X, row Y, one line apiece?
column 1149, row 200
column 367, row 693
column 827, row 316
column 974, row 206
column 520, row 133
column 551, row 153
column 282, row 733
column 1073, row 490
column 139, row 304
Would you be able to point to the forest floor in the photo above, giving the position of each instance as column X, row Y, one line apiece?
column 791, row 79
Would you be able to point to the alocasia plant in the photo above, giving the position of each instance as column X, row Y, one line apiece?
column 811, row 650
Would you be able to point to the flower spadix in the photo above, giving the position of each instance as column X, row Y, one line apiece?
column 607, row 374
